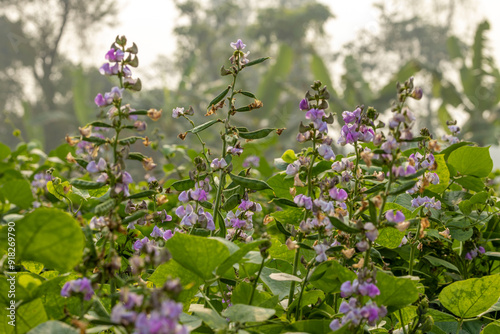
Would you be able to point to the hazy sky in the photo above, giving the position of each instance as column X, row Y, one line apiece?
column 149, row 23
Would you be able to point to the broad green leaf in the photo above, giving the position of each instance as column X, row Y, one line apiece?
column 330, row 275
column 4, row 151
column 395, row 292
column 172, row 269
column 50, row 295
column 278, row 288
column 475, row 161
column 493, row 328
column 237, row 256
column 34, row 267
column 53, row 326
column 289, row 216
column 289, row 156
column 246, row 313
column 60, row 191
column 341, row 226
column 28, row 316
column 469, row 298
column 197, row 254
column 390, row 237
column 208, row 316
column 308, row 298
column 44, row 235
column 18, row 192
column 313, row 326
column 443, row 173
column 471, row 183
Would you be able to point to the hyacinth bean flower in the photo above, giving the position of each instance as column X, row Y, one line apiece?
column 395, row 217
column 81, row 286
column 92, row 167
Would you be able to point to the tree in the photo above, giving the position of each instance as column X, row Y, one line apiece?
column 36, row 30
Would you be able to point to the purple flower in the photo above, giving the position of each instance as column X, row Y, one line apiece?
column 350, row 117
column 368, row 289
column 304, row 104
column 320, row 252
column 114, row 55
column 100, row 101
column 79, row 286
column 251, row 161
column 326, row 152
column 167, row 234
column 218, row 163
column 362, row 245
column 481, row 249
column 335, row 325
column 177, row 112
column 139, row 243
column 303, row 201
column 394, row 217
column 316, row 116
column 157, row 233
column 346, row 289
column 238, row 45
column 234, row 150
column 92, row 167
column 293, row 168
column 371, row 231
column 198, row 194
column 338, row 194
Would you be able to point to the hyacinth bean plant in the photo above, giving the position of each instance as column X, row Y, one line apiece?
column 399, row 235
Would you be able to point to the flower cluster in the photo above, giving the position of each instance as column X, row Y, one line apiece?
column 80, row 287
column 452, row 138
column 356, row 128
column 158, row 315
column 474, row 253
column 192, row 216
column 240, row 222
column 355, row 311
column 239, row 57
column 426, row 202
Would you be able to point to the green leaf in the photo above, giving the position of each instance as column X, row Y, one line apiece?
column 314, row 326
column 204, row 126
column 246, row 313
column 341, row 226
column 4, row 151
column 218, row 98
column 330, row 275
column 237, row 256
column 104, row 207
column 142, row 194
column 231, row 202
column 257, row 134
column 44, row 235
column 172, row 269
column 197, row 254
column 83, row 184
column 255, row 62
column 101, row 124
column 440, row 262
column 470, row 298
column 34, row 267
column 443, row 173
column 249, row 183
column 208, row 316
column 289, row 216
column 183, row 185
column 28, row 316
column 390, row 237
column 395, row 292
column 53, row 326
column 18, row 192
column 289, row 156
column 308, row 298
column 129, row 140
column 278, row 288
column 471, row 183
column 468, row 160
column 493, row 328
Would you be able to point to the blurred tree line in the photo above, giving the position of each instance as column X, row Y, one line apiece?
column 45, row 94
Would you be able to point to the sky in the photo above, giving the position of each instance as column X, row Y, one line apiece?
column 156, row 20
